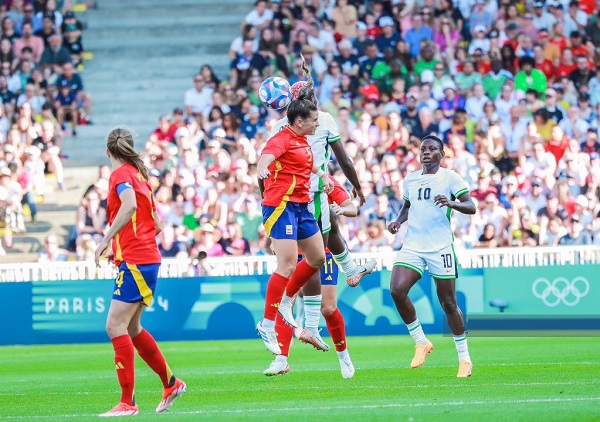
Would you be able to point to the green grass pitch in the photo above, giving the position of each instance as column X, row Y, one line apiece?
column 514, row 379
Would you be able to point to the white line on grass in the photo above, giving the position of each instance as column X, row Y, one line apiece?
column 344, row 407
column 265, row 387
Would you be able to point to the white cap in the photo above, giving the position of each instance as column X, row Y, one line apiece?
column 427, row 76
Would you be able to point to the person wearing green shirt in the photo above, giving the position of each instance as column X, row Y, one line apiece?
column 428, row 60
column 530, row 78
column 495, row 79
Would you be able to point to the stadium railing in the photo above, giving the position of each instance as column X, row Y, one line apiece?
column 257, row 265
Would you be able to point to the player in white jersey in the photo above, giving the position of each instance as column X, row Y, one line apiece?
column 429, row 196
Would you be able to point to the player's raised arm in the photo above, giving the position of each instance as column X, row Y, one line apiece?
column 349, row 170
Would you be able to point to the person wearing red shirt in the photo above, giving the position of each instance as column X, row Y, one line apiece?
column 284, row 170
column 567, row 64
column 557, row 143
column 133, row 228
column 543, row 64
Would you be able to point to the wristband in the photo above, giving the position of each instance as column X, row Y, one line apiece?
column 320, row 173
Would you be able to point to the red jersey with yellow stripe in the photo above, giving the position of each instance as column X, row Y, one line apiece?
column 136, row 241
column 290, row 172
column 338, row 194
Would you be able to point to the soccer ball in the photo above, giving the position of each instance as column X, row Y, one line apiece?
column 275, row 93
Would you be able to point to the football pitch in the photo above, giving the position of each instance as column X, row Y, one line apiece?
column 514, row 379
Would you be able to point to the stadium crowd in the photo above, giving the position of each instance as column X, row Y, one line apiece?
column 512, row 87
column 41, row 102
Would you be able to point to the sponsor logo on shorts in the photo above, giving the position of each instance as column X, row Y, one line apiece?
column 289, row 229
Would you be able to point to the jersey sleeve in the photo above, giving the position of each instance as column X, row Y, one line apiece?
column 458, row 185
column 277, row 145
column 333, row 134
column 338, row 195
column 405, row 190
column 121, row 180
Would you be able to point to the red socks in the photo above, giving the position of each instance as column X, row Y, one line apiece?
column 275, row 289
column 299, row 278
column 337, row 329
column 284, row 335
column 149, row 351
column 125, row 365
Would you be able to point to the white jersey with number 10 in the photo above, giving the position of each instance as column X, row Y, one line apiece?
column 429, row 225
column 327, row 133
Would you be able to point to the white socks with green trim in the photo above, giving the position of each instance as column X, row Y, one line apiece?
column 312, row 311
column 416, row 331
column 347, row 263
column 462, row 348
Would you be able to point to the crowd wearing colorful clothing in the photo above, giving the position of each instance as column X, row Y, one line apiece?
column 512, row 88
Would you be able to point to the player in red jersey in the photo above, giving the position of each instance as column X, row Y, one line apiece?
column 284, row 171
column 132, row 233
column 340, row 203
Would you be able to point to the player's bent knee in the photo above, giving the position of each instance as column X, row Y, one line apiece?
column 286, row 269
column 449, row 306
column 328, row 309
column 316, row 261
column 398, row 292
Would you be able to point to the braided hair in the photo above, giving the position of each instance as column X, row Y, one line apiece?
column 304, row 100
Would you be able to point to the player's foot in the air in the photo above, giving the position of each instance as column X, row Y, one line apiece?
column 285, row 310
column 122, row 409
column 363, row 270
column 421, row 350
column 346, row 366
column 170, row 394
column 312, row 336
column 277, row 368
column 269, row 337
column 465, row 368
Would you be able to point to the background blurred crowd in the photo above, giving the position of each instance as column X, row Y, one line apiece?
column 41, row 101
column 512, row 87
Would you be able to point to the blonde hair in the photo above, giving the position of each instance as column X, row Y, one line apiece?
column 119, row 143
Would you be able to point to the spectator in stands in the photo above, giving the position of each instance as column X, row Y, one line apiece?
column 30, row 18
column 28, row 39
column 51, row 252
column 54, row 57
column 260, row 17
column 47, row 30
column 168, row 244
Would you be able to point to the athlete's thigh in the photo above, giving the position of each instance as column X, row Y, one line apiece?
column 135, row 325
column 121, row 313
column 319, row 208
column 286, row 251
column 136, row 283
column 408, row 269
column 442, row 264
column 313, row 249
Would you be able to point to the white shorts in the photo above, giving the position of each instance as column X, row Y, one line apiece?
column 441, row 264
column 319, row 207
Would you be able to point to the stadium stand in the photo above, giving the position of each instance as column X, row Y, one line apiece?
column 513, row 91
column 520, row 122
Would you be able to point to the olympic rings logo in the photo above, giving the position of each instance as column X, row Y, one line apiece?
column 560, row 290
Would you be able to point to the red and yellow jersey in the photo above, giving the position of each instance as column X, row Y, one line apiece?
column 338, row 194
column 290, row 172
column 136, row 241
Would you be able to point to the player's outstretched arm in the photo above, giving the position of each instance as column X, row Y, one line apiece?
column 347, row 167
column 464, row 204
column 394, row 226
column 346, row 208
